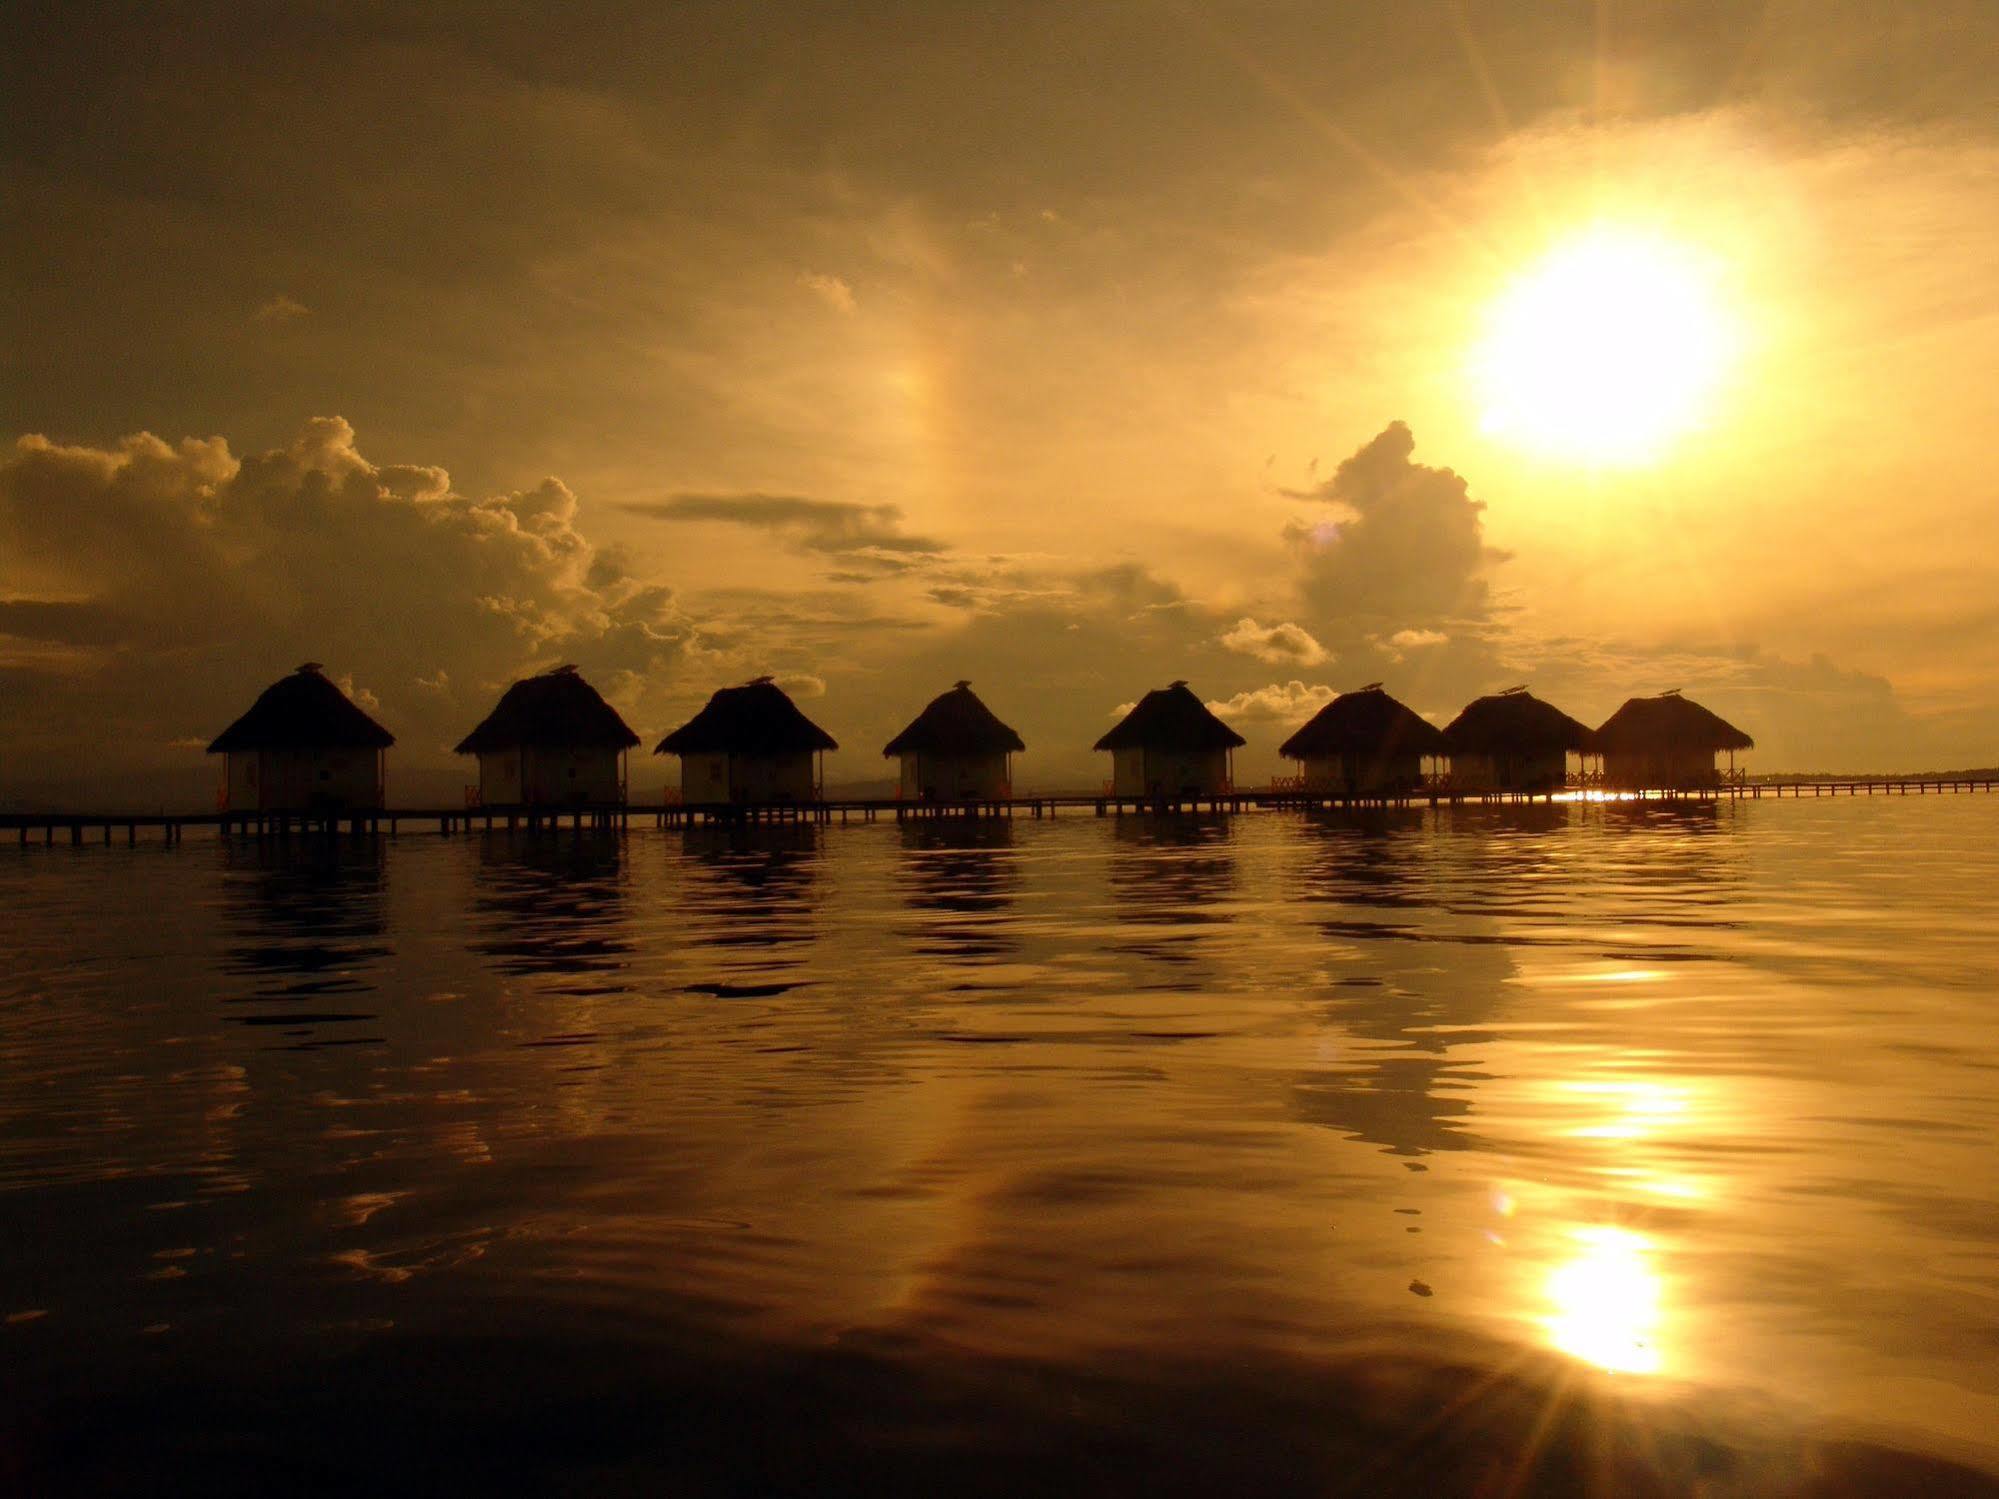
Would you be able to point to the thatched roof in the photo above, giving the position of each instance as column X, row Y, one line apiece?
column 302, row 711
column 1668, row 722
column 556, row 710
column 1515, row 722
column 1170, row 718
column 754, row 719
column 955, row 723
column 1367, row 722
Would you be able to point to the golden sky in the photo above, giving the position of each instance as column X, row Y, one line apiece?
column 1059, row 347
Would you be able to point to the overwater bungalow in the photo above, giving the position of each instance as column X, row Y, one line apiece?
column 1364, row 743
column 1667, row 743
column 749, row 745
column 303, row 747
column 955, row 750
column 551, row 740
column 1513, row 741
column 1170, row 746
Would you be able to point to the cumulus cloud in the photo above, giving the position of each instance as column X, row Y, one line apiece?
column 1393, row 574
column 1276, row 645
column 802, row 684
column 1406, row 541
column 831, row 290
column 280, row 309
column 1412, row 640
column 837, row 527
column 1280, row 702
column 166, row 584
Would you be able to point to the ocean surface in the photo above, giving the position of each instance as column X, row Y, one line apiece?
column 1583, row 1148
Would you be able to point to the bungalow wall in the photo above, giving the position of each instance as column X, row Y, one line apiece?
column 756, row 779
column 303, row 780
column 955, row 777
column 1660, row 770
column 542, row 776
column 1548, row 771
column 1146, row 771
column 1362, row 775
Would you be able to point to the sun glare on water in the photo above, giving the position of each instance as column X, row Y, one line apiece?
column 1607, row 352
column 1605, row 1304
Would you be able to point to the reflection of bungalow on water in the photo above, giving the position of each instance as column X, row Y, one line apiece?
column 1666, row 743
column 303, row 746
column 955, row 750
column 1171, row 747
column 1364, row 743
column 551, row 740
column 749, row 745
column 1512, row 741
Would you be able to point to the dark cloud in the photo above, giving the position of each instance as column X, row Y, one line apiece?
column 62, row 622
column 1393, row 580
column 1403, row 546
column 189, row 578
column 1810, row 714
column 1053, row 651
column 148, row 589
column 839, row 527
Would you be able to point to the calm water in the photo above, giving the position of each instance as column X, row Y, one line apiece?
column 1585, row 1149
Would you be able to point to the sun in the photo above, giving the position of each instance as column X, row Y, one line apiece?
column 1609, row 351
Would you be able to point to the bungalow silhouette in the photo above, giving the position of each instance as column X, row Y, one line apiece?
column 749, row 745
column 1666, row 743
column 1513, row 741
column 955, row 750
column 303, row 747
column 551, row 740
column 1170, row 746
column 1364, row 743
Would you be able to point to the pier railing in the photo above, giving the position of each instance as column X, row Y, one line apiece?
column 673, row 810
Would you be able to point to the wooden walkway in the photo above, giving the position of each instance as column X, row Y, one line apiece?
column 47, row 828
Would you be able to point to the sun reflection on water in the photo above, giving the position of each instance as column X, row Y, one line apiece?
column 1606, row 1303
column 1643, row 1108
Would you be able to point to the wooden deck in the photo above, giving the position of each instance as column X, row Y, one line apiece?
column 45, row 829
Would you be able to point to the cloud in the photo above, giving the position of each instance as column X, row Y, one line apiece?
column 1281, row 702
column 149, row 589
column 1393, row 574
column 159, row 587
column 838, row 527
column 1411, row 640
column 831, row 290
column 1811, row 714
column 1407, row 543
column 1284, row 644
column 61, row 622
column 280, row 309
